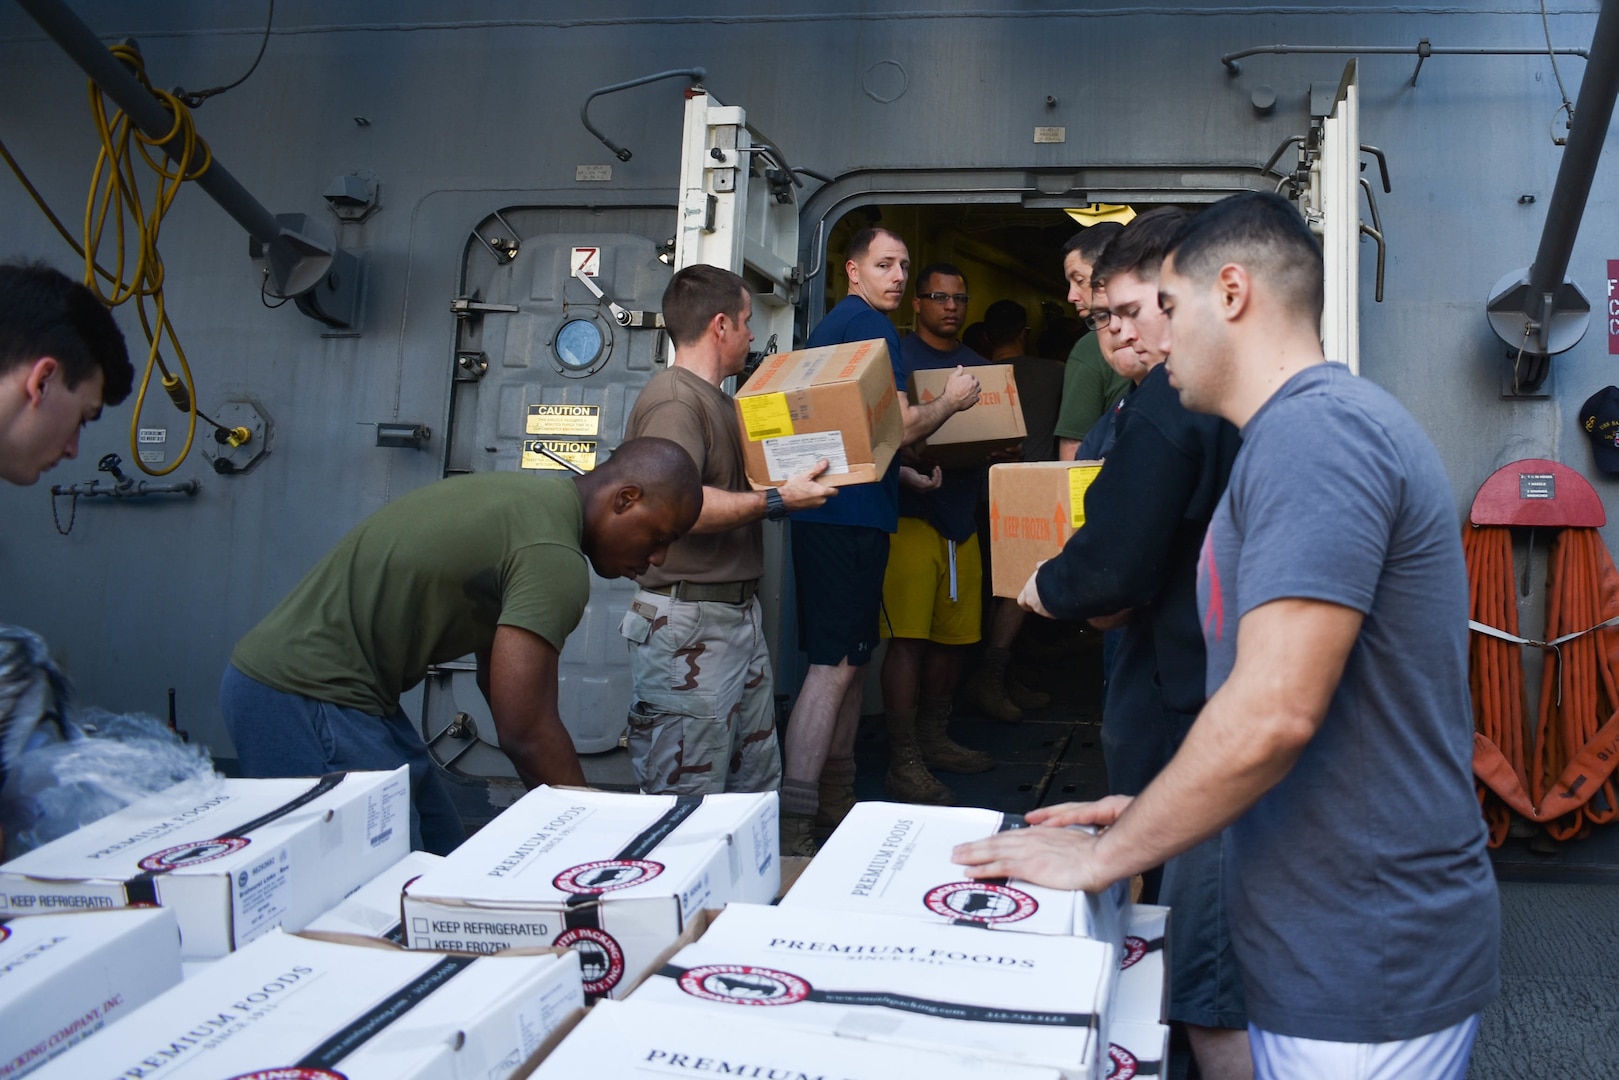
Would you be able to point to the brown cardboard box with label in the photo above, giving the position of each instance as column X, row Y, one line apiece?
column 1034, row 507
column 969, row 437
column 837, row 402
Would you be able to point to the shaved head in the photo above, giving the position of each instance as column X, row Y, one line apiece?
column 643, row 498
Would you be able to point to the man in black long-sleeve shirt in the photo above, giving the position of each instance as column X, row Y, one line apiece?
column 1135, row 563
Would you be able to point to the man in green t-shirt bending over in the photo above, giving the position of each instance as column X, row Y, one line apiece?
column 491, row 564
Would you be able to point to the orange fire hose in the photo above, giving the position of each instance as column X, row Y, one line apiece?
column 1565, row 782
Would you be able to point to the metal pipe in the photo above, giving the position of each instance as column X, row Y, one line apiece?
column 86, row 50
column 1593, row 109
column 1422, row 50
column 695, row 74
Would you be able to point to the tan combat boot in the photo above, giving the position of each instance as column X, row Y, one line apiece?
column 798, row 835
column 908, row 778
column 1023, row 697
column 985, row 689
column 939, row 750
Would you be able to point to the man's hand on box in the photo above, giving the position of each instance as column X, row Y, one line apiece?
column 1029, row 598
column 1101, row 813
column 911, row 478
column 962, row 389
column 1055, row 858
column 802, row 492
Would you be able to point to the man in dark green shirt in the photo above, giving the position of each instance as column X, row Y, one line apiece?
column 492, row 564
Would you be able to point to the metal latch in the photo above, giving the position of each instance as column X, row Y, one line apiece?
column 620, row 315
column 466, row 306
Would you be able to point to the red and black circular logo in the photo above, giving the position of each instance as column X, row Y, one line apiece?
column 1121, row 1064
column 1134, row 949
column 292, row 1072
column 742, row 984
column 606, row 875
column 601, row 959
column 192, row 854
column 979, row 901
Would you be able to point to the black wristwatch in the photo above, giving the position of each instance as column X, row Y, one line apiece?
column 775, row 508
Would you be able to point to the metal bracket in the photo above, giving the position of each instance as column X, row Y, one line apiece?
column 620, row 315
column 466, row 307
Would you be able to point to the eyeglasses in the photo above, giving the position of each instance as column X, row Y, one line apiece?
column 1098, row 319
column 944, row 297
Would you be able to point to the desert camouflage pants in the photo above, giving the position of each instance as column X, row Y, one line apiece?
column 703, row 719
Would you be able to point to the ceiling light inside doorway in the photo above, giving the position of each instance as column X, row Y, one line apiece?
column 1096, row 213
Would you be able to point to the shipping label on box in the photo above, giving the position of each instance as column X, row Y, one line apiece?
column 63, row 978
column 894, row 859
column 1143, row 993
column 234, row 859
column 289, row 1006
column 1012, row 997
column 971, row 436
column 643, row 1038
column 373, row 909
column 1034, row 507
column 612, row 876
column 837, row 402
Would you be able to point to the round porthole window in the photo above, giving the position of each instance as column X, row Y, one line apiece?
column 579, row 344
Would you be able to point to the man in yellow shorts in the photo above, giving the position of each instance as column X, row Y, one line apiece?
column 932, row 599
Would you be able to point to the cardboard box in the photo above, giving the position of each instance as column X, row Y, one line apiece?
column 364, row 1013
column 837, row 402
column 894, row 859
column 1143, row 993
column 1137, row 1049
column 968, row 438
column 641, row 1038
column 63, row 978
column 613, row 876
column 1034, row 507
column 1009, row 997
column 234, row 859
column 373, row 910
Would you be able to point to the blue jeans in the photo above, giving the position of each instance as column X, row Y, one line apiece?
column 282, row 734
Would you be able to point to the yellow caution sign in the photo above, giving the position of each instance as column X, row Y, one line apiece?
column 564, row 419
column 582, row 452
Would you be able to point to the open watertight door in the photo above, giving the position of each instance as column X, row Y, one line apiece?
column 1330, row 198
column 739, row 211
column 1331, row 204
column 739, row 207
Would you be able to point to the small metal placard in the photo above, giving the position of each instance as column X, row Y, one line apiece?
column 1050, row 134
column 153, row 435
column 592, row 172
column 1537, row 486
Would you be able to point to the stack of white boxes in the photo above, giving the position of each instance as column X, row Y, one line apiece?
column 876, row 963
column 615, row 877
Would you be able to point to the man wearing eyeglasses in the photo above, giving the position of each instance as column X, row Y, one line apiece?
column 1090, row 386
column 840, row 552
column 932, row 591
column 1134, row 565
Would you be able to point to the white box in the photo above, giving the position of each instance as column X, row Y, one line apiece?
column 894, row 859
column 1143, row 993
column 1138, row 1050
column 614, row 876
column 1023, row 998
column 64, row 978
column 641, row 1038
column 372, row 910
column 234, row 860
column 365, row 1012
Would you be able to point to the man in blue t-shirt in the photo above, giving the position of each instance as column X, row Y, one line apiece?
column 839, row 554
column 1336, row 746
column 932, row 592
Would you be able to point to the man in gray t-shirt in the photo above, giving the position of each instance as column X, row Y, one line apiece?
column 1337, row 740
